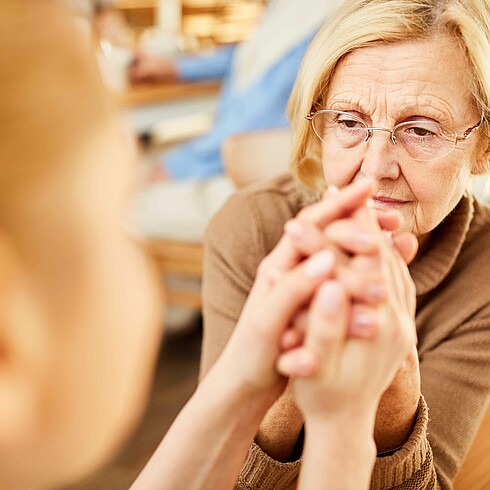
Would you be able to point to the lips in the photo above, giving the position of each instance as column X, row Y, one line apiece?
column 388, row 201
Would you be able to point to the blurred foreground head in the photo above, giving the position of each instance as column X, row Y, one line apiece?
column 78, row 313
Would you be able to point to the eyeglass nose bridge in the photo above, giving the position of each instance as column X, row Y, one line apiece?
column 391, row 131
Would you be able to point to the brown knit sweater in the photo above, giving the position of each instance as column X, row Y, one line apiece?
column 453, row 324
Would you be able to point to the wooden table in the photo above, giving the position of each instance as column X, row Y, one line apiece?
column 166, row 92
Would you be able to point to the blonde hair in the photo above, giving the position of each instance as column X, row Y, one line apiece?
column 52, row 100
column 361, row 23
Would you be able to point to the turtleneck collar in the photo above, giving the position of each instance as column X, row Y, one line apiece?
column 429, row 269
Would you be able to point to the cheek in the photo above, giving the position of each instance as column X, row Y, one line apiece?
column 437, row 192
column 339, row 166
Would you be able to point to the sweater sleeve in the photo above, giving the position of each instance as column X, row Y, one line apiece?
column 455, row 379
column 410, row 468
column 231, row 257
column 214, row 65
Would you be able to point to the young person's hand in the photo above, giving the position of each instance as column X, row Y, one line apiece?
column 389, row 315
column 390, row 306
column 307, row 234
column 286, row 281
column 358, row 267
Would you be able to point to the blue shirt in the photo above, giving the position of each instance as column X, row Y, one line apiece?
column 261, row 105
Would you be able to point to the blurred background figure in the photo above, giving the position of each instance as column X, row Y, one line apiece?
column 109, row 29
column 79, row 317
column 108, row 22
column 187, row 184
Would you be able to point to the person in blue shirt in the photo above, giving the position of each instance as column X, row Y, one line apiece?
column 260, row 105
column 188, row 184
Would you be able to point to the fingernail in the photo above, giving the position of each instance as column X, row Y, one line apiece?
column 377, row 291
column 295, row 229
column 370, row 203
column 320, row 264
column 330, row 297
column 363, row 320
column 333, row 189
column 364, row 325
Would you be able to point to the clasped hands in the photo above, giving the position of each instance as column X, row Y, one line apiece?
column 332, row 307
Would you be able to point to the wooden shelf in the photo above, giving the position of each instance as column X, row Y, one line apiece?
column 218, row 21
column 134, row 4
column 151, row 94
column 183, row 259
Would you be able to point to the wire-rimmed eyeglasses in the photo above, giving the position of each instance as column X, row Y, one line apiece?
column 422, row 140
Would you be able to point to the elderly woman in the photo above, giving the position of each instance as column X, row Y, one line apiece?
column 400, row 95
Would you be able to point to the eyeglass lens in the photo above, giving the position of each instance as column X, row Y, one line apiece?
column 423, row 140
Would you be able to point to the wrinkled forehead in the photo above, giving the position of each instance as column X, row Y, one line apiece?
column 405, row 79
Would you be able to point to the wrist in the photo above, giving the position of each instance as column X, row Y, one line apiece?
column 341, row 443
column 397, row 409
column 252, row 375
column 346, row 423
column 353, row 436
column 361, row 411
column 236, row 393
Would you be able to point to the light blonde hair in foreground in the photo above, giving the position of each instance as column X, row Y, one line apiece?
column 362, row 23
column 52, row 100
column 79, row 317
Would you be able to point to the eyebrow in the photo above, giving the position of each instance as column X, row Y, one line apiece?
column 405, row 111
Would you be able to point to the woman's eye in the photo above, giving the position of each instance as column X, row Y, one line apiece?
column 349, row 123
column 421, row 132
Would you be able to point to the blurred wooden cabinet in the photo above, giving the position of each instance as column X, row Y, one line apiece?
column 181, row 259
column 208, row 21
column 220, row 21
column 139, row 13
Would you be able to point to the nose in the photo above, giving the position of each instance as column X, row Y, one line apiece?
column 379, row 160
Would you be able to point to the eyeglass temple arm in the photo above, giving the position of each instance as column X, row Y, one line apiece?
column 469, row 131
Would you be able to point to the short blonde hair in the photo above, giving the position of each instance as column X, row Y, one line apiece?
column 361, row 23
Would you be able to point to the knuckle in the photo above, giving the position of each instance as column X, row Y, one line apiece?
column 264, row 266
column 366, row 262
column 296, row 282
column 304, row 214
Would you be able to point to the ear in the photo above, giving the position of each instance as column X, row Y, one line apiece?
column 22, row 352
